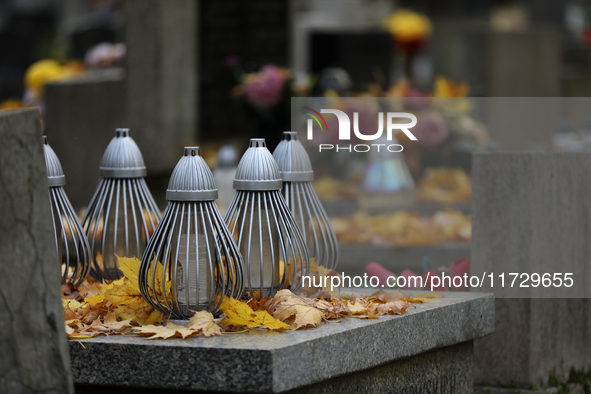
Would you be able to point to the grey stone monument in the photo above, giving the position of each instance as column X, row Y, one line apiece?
column 81, row 116
column 33, row 345
column 524, row 64
column 161, row 80
column 155, row 97
column 531, row 213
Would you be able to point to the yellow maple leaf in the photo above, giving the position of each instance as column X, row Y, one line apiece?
column 125, row 293
column 294, row 311
column 392, row 308
column 73, row 305
column 388, row 294
column 130, row 267
column 73, row 334
column 90, row 288
column 171, row 330
column 239, row 314
column 116, row 325
column 129, row 304
column 203, row 321
column 357, row 307
column 414, row 300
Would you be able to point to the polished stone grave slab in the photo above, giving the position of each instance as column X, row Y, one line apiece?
column 427, row 348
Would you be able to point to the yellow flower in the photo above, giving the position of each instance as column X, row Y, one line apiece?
column 445, row 87
column 400, row 89
column 406, row 26
column 41, row 72
column 10, row 104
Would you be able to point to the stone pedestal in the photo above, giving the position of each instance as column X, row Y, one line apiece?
column 428, row 349
column 33, row 349
column 532, row 214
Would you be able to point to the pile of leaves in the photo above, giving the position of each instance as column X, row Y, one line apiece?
column 403, row 228
column 118, row 308
column 445, row 185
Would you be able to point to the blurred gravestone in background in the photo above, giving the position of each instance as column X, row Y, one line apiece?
column 33, row 345
column 531, row 214
column 81, row 117
column 161, row 79
column 254, row 32
column 156, row 97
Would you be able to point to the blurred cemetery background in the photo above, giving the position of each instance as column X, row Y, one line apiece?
column 217, row 72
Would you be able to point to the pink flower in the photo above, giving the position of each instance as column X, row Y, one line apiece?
column 430, row 130
column 375, row 269
column 460, row 268
column 407, row 273
column 264, row 89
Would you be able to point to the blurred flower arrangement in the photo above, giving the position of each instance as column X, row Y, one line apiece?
column 266, row 96
column 410, row 32
column 263, row 89
column 44, row 71
column 36, row 76
column 446, row 131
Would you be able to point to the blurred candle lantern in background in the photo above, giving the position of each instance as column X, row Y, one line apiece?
column 296, row 170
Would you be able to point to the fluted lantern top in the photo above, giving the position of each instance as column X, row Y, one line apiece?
column 292, row 159
column 257, row 169
column 122, row 158
column 55, row 173
column 191, row 179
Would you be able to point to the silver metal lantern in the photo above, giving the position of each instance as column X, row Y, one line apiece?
column 271, row 244
column 297, row 174
column 191, row 258
column 73, row 251
column 122, row 214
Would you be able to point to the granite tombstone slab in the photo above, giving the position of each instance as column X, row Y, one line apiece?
column 427, row 348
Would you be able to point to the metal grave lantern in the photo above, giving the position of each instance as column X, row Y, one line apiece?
column 122, row 214
column 271, row 244
column 191, row 259
column 297, row 174
column 73, row 251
